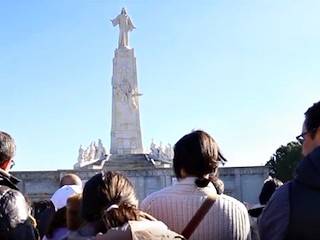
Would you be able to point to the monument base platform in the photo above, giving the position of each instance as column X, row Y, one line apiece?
column 123, row 162
column 119, row 162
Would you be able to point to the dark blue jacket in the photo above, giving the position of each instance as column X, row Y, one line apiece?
column 293, row 211
column 304, row 195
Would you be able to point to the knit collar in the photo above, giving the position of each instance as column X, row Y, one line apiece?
column 186, row 181
column 189, row 181
column 188, row 185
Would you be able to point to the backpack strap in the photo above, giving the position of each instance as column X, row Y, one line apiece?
column 198, row 216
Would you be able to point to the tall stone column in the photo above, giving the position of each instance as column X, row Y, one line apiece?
column 125, row 129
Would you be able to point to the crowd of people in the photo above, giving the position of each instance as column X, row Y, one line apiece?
column 195, row 207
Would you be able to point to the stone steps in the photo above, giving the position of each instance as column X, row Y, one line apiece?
column 128, row 162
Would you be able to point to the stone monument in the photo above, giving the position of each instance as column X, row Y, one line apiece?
column 148, row 172
column 125, row 129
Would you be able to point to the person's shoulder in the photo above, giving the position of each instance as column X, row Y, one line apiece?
column 162, row 192
column 7, row 192
column 13, row 204
column 282, row 193
column 165, row 192
column 278, row 202
column 232, row 202
column 274, row 219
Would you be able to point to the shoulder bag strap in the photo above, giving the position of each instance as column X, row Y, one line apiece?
column 197, row 218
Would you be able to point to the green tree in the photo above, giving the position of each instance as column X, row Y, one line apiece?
column 284, row 161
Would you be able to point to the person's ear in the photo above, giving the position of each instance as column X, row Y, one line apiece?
column 5, row 165
column 317, row 136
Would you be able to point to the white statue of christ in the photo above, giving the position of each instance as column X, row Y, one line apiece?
column 125, row 26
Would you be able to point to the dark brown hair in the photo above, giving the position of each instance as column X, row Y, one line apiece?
column 312, row 118
column 198, row 155
column 7, row 147
column 93, row 201
column 269, row 187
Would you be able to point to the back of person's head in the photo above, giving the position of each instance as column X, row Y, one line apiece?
column 59, row 200
column 58, row 220
column 74, row 219
column 92, row 199
column 122, row 201
column 70, row 179
column 312, row 118
column 43, row 213
column 109, row 195
column 7, row 147
column 197, row 154
column 269, row 187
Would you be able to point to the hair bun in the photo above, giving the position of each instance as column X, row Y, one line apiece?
column 202, row 182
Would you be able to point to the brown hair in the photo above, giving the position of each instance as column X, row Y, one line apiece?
column 102, row 191
column 74, row 219
column 197, row 154
column 7, row 147
column 70, row 179
column 119, row 191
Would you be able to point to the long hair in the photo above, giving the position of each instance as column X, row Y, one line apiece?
column 121, row 200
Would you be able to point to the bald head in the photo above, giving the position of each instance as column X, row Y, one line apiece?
column 70, row 179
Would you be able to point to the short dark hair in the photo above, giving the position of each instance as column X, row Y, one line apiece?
column 58, row 220
column 198, row 154
column 92, row 201
column 269, row 187
column 312, row 118
column 7, row 147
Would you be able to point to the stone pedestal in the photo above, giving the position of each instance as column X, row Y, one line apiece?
column 125, row 130
column 243, row 183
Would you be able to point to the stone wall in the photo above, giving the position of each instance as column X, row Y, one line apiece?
column 243, row 183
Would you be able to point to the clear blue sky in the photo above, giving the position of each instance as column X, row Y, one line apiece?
column 245, row 71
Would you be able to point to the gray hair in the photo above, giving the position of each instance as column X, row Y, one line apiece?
column 7, row 147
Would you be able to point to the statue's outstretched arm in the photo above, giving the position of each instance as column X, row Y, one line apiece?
column 115, row 21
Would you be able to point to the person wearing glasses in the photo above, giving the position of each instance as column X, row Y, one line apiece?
column 293, row 211
column 15, row 220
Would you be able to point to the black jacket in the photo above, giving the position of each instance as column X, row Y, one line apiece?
column 15, row 223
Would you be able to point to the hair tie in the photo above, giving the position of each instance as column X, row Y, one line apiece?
column 202, row 182
column 113, row 206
